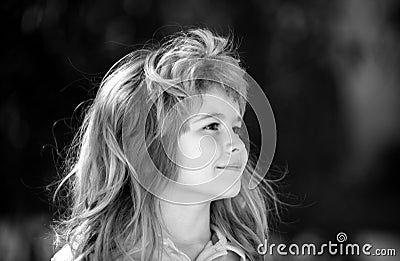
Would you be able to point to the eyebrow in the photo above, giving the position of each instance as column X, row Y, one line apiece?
column 212, row 115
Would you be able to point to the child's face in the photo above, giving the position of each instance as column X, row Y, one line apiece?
column 211, row 143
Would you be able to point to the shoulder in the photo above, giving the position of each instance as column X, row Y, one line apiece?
column 234, row 252
column 64, row 254
column 229, row 257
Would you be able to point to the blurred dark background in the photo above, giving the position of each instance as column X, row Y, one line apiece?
column 329, row 69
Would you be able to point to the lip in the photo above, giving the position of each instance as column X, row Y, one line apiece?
column 230, row 167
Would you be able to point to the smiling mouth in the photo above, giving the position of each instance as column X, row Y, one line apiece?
column 230, row 167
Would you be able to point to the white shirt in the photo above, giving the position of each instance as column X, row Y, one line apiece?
column 221, row 250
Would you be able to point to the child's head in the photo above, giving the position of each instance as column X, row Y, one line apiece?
column 151, row 98
column 170, row 113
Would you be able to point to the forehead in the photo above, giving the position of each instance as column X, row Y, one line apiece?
column 215, row 100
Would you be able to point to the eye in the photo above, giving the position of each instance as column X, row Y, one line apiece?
column 236, row 129
column 213, row 126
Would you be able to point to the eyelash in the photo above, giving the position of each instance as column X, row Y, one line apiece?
column 236, row 129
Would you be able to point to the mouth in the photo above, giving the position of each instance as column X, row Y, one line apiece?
column 230, row 167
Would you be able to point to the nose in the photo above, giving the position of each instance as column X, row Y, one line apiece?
column 232, row 142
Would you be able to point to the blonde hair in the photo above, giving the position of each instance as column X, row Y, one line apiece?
column 111, row 215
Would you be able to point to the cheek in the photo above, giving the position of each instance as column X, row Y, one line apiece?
column 209, row 146
column 243, row 153
column 244, row 150
column 196, row 152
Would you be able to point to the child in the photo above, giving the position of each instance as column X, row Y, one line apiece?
column 159, row 169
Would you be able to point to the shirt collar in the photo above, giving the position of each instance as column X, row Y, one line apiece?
column 218, row 241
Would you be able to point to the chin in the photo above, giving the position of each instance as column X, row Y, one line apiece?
column 233, row 191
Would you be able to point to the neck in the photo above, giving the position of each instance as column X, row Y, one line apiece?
column 187, row 224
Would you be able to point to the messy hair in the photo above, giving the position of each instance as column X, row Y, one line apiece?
column 111, row 215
